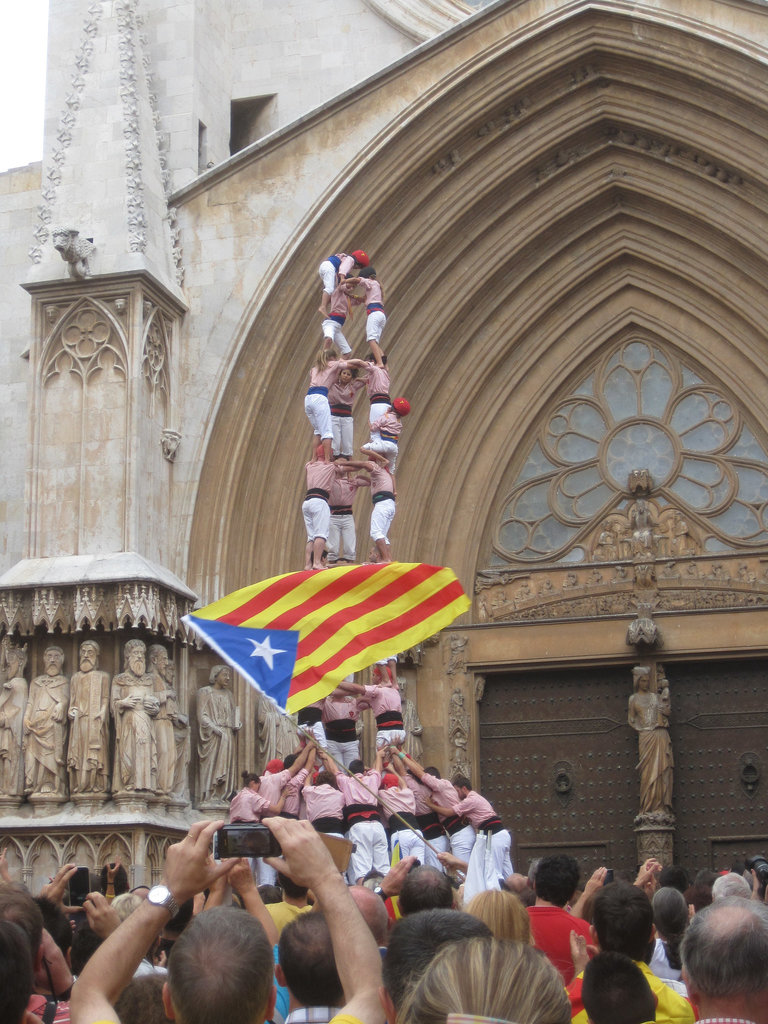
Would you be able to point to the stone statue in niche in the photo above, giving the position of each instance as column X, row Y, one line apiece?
column 87, row 756
column 458, row 733
column 218, row 719
column 179, row 784
column 411, row 723
column 648, row 714
column 45, row 728
column 165, row 742
column 134, row 707
column 74, row 250
column 457, row 662
column 276, row 733
column 13, row 699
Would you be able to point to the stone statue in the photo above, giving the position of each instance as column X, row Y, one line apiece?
column 179, row 786
column 413, row 745
column 218, row 719
column 457, row 663
column 89, row 733
column 458, row 733
column 277, row 735
column 74, row 250
column 165, row 741
column 13, row 699
column 45, row 728
column 134, row 707
column 648, row 714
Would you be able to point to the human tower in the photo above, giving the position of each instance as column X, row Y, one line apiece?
column 335, row 381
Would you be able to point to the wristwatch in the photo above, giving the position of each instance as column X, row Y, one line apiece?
column 380, row 892
column 160, row 896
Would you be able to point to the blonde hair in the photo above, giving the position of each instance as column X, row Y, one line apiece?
column 504, row 914
column 325, row 356
column 488, row 978
column 125, row 904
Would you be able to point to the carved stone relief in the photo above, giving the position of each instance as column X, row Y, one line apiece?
column 13, row 700
column 45, row 731
column 218, row 719
column 75, row 251
column 88, row 339
column 134, row 708
column 458, row 734
column 88, row 751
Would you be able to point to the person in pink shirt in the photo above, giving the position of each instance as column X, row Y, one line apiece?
column 482, row 817
column 342, row 537
column 293, row 791
column 340, row 716
column 383, row 698
column 335, row 269
column 385, row 432
column 365, row 829
column 333, row 324
column 316, row 405
column 316, row 510
column 383, row 496
column 398, row 797
column 325, row 803
column 341, row 397
column 377, row 382
column 428, row 820
column 461, row 835
column 252, row 805
column 376, row 318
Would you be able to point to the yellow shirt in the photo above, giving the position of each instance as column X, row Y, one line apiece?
column 670, row 1009
column 283, row 913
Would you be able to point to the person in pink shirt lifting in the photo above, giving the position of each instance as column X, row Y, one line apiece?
column 482, row 817
column 334, row 270
column 333, row 324
column 384, row 497
column 377, row 382
column 316, row 405
column 341, row 396
column 376, row 318
column 342, row 536
column 385, row 432
column 320, row 474
column 383, row 698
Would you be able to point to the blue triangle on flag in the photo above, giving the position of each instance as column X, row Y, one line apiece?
column 264, row 656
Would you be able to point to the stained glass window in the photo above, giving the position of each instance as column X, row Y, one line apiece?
column 639, row 408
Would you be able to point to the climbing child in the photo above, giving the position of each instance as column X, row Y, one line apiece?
column 385, row 432
column 341, row 396
column 316, row 406
column 376, row 318
column 335, row 269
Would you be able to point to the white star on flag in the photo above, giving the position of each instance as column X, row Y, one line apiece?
column 265, row 650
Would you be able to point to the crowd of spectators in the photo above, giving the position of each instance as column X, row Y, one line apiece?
column 209, row 945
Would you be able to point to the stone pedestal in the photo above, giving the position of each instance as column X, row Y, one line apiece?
column 655, row 834
column 45, row 804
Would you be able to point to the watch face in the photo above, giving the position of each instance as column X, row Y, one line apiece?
column 160, row 895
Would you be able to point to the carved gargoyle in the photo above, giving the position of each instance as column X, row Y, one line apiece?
column 74, row 250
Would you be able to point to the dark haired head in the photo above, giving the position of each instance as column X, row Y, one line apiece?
column 16, row 977
column 56, row 923
column 425, row 888
column 370, row 358
column 414, row 941
column 556, row 879
column 290, row 889
column 461, row 782
column 674, row 876
column 325, row 778
column 85, row 942
column 306, row 958
column 615, row 991
column 623, row 919
column 356, row 767
column 141, row 1001
column 289, row 760
column 367, row 272
column 249, row 777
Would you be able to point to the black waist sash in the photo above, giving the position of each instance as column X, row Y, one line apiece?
column 430, row 825
column 389, row 720
column 309, row 716
column 357, row 813
column 341, row 730
column 328, row 824
column 492, row 824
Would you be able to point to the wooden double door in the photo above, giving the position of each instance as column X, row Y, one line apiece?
column 558, row 761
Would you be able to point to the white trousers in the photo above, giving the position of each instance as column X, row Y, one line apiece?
column 342, row 539
column 371, row 852
column 318, row 412
column 345, row 753
column 333, row 329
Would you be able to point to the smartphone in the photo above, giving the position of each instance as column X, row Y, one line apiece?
column 608, row 876
column 79, row 887
column 245, row 839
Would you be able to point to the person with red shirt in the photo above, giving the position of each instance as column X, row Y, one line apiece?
column 555, row 882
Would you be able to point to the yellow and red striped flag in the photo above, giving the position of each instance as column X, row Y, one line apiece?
column 295, row 637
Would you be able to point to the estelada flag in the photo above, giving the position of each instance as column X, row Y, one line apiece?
column 295, row 637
